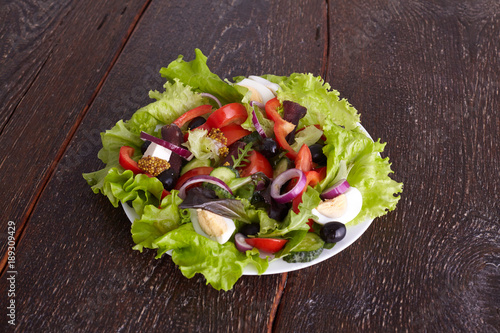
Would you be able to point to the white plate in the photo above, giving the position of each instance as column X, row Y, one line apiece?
column 279, row 266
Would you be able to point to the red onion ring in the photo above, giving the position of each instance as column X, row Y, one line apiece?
column 259, row 104
column 257, row 125
column 241, row 244
column 212, row 97
column 184, row 153
column 202, row 179
column 337, row 189
column 279, row 181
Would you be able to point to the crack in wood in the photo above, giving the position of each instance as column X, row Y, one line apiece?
column 276, row 303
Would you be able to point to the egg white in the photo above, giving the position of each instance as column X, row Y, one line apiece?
column 262, row 90
column 231, row 227
column 268, row 84
column 354, row 203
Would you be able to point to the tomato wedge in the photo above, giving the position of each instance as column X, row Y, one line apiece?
column 304, row 159
column 126, row 161
column 281, row 127
column 192, row 173
column 233, row 133
column 190, row 115
column 257, row 163
column 272, row 245
column 233, row 113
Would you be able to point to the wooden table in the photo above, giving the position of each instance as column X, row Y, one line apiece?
column 423, row 74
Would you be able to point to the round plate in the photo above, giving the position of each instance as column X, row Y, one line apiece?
column 279, row 266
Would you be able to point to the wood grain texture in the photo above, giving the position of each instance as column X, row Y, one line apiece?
column 70, row 56
column 28, row 30
column 80, row 271
column 425, row 77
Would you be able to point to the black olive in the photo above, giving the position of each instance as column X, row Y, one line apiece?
column 168, row 179
column 198, row 121
column 278, row 211
column 333, row 232
column 317, row 154
column 250, row 229
column 145, row 146
column 269, row 148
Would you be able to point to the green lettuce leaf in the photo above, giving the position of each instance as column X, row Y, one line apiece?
column 309, row 136
column 317, row 96
column 369, row 172
column 267, row 124
column 197, row 75
column 156, row 222
column 221, row 264
column 139, row 190
column 202, row 147
column 173, row 102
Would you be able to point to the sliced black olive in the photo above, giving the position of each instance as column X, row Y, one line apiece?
column 196, row 122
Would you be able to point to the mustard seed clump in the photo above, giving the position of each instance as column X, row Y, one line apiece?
column 153, row 165
column 217, row 135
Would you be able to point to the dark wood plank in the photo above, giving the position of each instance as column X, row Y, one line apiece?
column 425, row 78
column 67, row 57
column 81, row 246
column 27, row 30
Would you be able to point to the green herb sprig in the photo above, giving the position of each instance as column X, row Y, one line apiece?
column 242, row 155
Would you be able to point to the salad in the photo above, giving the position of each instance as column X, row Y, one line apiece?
column 227, row 174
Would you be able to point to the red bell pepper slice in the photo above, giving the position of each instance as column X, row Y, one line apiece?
column 233, row 113
column 192, row 173
column 190, row 115
column 281, row 127
column 272, row 245
column 233, row 133
column 126, row 161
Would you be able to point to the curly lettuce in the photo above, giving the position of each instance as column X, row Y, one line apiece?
column 369, row 172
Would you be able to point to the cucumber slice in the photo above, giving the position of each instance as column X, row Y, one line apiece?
column 303, row 256
column 225, row 174
column 195, row 163
column 308, row 249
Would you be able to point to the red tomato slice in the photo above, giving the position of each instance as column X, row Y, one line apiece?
column 191, row 114
column 233, row 113
column 192, row 173
column 272, row 245
column 258, row 163
column 126, row 161
column 233, row 133
column 304, row 159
